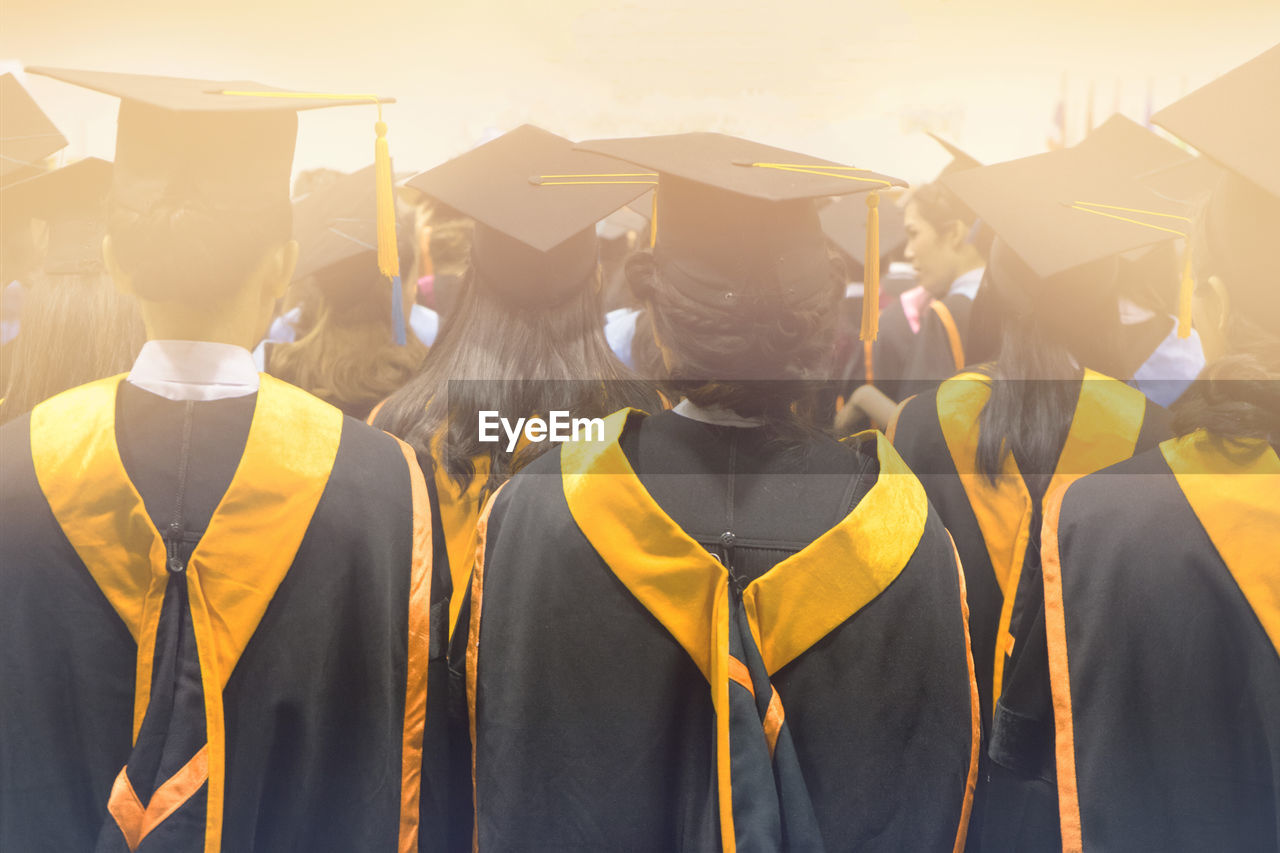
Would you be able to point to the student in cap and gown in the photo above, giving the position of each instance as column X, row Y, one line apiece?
column 989, row 444
column 214, row 594
column 76, row 326
column 924, row 331
column 349, row 353
column 525, row 336
column 28, row 139
column 1161, row 573
column 731, row 631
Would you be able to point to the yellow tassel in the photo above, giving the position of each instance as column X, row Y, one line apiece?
column 653, row 221
column 388, row 255
column 1185, row 290
column 871, row 277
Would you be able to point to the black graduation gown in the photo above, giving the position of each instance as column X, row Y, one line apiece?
column 995, row 529
column 215, row 627
column 938, row 349
column 1163, row 612
column 681, row 639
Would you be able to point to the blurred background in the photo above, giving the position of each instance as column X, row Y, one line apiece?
column 850, row 80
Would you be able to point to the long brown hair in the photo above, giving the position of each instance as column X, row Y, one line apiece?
column 75, row 328
column 348, row 357
column 518, row 361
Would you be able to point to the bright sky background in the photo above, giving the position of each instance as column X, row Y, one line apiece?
column 852, row 80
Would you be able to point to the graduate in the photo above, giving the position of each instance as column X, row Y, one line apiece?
column 990, row 443
column 348, row 352
column 1161, row 573
column 924, row 330
column 215, row 589
column 76, row 327
column 731, row 632
column 526, row 336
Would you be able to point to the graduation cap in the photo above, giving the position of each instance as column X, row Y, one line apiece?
column 227, row 145
column 27, row 136
column 960, row 160
column 737, row 219
column 1228, row 120
column 535, row 201
column 1065, row 209
column 844, row 221
column 71, row 202
column 1125, row 147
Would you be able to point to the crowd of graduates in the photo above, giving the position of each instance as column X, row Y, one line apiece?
column 935, row 517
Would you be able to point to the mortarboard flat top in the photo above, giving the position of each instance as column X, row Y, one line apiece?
column 735, row 216
column 27, row 136
column 190, row 95
column 844, row 221
column 1033, row 204
column 1128, row 148
column 185, row 140
column 71, row 202
column 536, row 201
column 511, row 185
column 1234, row 120
column 740, row 166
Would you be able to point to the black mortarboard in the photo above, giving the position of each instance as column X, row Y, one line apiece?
column 336, row 223
column 844, row 220
column 1124, row 147
column 225, row 143
column 1067, row 208
column 27, row 136
column 71, row 202
column 1229, row 120
column 536, row 202
column 960, row 160
column 737, row 218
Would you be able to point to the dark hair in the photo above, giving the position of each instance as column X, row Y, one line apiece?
column 75, row 328
column 191, row 251
column 759, row 360
column 939, row 206
column 1049, row 330
column 1237, row 396
column 347, row 356
column 492, row 355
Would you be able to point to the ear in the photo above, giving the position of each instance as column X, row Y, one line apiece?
column 122, row 280
column 957, row 234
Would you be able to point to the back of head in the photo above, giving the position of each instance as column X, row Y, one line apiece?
column 75, row 328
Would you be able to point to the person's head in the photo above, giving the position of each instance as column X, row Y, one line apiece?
column 740, row 289
column 493, row 354
column 939, row 243
column 526, row 334
column 199, row 221
column 1236, row 302
column 75, row 328
column 347, row 355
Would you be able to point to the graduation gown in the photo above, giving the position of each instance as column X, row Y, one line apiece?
column 215, row 626
column 1164, row 646
column 713, row 644
column 995, row 527
column 938, row 350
